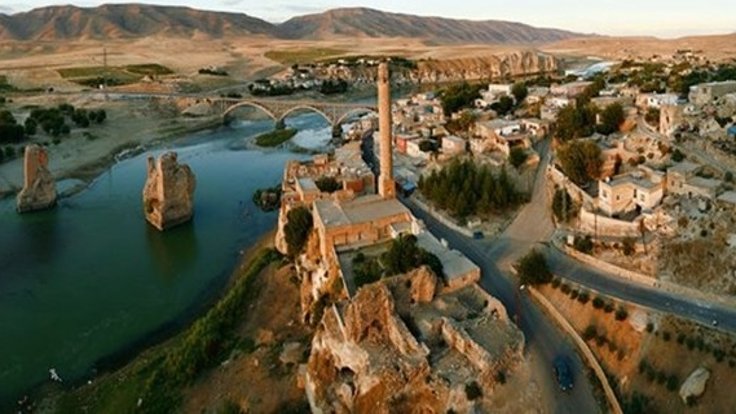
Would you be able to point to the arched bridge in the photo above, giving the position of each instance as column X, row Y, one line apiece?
column 277, row 109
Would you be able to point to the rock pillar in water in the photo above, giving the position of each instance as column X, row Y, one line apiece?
column 168, row 196
column 39, row 188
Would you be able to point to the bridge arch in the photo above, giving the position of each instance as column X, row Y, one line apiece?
column 355, row 111
column 304, row 107
column 251, row 104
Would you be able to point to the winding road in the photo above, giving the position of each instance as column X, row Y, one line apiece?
column 533, row 228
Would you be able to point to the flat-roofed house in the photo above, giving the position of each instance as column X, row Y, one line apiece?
column 706, row 93
column 639, row 190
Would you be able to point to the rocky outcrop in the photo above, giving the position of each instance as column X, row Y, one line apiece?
column 517, row 63
column 399, row 346
column 39, row 187
column 168, row 196
column 694, row 385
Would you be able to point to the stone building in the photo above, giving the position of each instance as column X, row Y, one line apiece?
column 640, row 190
column 706, row 93
column 399, row 346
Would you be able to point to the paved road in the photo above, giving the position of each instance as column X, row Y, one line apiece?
column 544, row 339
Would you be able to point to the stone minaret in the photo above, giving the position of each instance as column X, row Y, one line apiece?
column 386, row 185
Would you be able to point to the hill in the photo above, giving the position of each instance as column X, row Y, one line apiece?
column 126, row 21
column 121, row 21
column 363, row 22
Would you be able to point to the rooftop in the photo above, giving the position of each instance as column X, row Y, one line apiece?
column 701, row 182
column 454, row 263
column 361, row 210
column 684, row 168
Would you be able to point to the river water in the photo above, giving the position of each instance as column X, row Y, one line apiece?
column 90, row 279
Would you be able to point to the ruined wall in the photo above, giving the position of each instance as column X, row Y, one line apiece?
column 39, row 187
column 168, row 195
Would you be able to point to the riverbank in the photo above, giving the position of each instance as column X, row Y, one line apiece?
column 119, row 389
column 131, row 127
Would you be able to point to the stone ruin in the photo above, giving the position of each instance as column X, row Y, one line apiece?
column 168, row 196
column 39, row 187
column 399, row 347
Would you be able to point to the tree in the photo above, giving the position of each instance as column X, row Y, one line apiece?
column 504, row 105
column 677, row 155
column 580, row 160
column 327, row 184
column 520, row 92
column 517, row 157
column 31, row 126
column 652, row 116
column 298, row 226
column 459, row 96
column 562, row 206
column 611, row 119
column 575, row 121
column 533, row 269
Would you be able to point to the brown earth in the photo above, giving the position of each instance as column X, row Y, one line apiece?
column 660, row 349
column 254, row 377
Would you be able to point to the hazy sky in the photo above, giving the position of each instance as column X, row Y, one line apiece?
column 615, row 17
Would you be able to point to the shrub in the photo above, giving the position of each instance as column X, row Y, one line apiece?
column 628, row 246
column 327, row 184
column 601, row 340
column 565, row 288
column 681, row 338
column 590, row 332
column 608, row 308
column 642, row 366
column 500, row 377
column 584, row 297
column 298, row 226
column 650, row 327
column 517, row 157
column 473, row 391
column 621, row 314
column 533, row 269
column 666, row 336
column 574, row 294
column 598, row 302
column 556, row 282
column 583, row 244
column 672, row 382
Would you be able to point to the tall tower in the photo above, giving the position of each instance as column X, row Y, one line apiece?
column 386, row 185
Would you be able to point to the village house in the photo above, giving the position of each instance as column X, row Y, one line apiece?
column 641, row 190
column 570, row 90
column 414, row 150
column 452, row 145
column 536, row 95
column 706, row 93
column 683, row 179
column 401, row 141
column 656, row 100
column 504, row 135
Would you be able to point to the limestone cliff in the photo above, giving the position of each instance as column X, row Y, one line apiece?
column 39, row 188
column 517, row 63
column 168, row 196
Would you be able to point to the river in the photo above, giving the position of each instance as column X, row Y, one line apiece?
column 90, row 281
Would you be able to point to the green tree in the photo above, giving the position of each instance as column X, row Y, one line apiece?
column 31, row 126
column 298, row 227
column 504, row 105
column 611, row 119
column 520, row 92
column 328, row 184
column 580, row 160
column 533, row 269
column 457, row 97
column 575, row 121
column 517, row 157
column 562, row 206
column 652, row 116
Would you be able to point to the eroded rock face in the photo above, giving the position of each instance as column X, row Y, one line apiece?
column 168, row 196
column 39, row 187
column 694, row 385
column 398, row 346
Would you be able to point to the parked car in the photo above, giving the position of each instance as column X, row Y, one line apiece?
column 563, row 373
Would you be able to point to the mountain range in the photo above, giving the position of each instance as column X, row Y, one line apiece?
column 127, row 21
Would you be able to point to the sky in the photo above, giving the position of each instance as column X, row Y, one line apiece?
column 608, row 17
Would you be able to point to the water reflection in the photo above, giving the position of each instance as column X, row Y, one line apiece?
column 172, row 251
